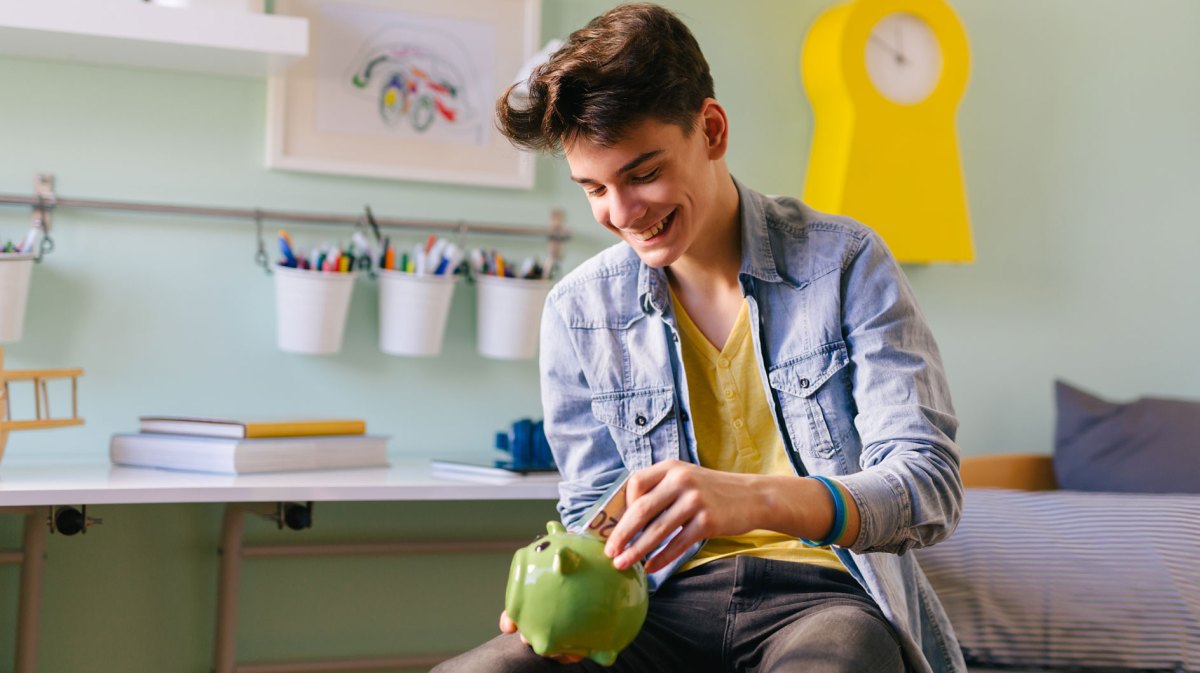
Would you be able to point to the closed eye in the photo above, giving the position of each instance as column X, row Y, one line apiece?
column 645, row 177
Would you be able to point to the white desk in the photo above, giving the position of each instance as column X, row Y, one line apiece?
column 34, row 486
column 106, row 484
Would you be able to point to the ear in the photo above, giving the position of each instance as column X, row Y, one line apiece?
column 567, row 561
column 715, row 125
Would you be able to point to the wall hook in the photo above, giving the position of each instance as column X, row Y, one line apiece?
column 43, row 189
column 260, row 257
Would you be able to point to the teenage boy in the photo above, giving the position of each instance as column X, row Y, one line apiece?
column 762, row 369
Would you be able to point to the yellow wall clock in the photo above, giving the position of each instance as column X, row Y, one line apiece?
column 885, row 78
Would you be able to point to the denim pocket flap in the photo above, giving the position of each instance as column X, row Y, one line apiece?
column 804, row 375
column 638, row 411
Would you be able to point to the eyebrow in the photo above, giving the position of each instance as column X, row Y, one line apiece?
column 637, row 161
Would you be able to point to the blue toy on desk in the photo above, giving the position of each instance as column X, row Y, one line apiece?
column 527, row 445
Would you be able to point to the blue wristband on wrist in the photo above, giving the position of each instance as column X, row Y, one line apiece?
column 839, row 515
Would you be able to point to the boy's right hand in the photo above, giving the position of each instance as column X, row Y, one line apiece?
column 507, row 625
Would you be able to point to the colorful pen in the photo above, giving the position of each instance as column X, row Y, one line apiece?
column 285, row 248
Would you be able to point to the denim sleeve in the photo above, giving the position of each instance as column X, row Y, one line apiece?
column 583, row 448
column 909, row 492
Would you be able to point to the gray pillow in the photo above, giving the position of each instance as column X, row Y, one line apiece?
column 1146, row 446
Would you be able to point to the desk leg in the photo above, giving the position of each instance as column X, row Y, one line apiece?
column 225, row 652
column 29, row 610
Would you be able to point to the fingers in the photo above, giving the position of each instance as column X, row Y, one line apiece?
column 640, row 505
column 690, row 534
column 684, row 510
column 506, row 624
column 673, row 500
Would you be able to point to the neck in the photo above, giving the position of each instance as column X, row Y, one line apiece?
column 714, row 262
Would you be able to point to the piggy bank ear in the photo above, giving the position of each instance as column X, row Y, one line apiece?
column 567, row 561
column 554, row 527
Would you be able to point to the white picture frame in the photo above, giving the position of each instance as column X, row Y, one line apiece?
column 403, row 89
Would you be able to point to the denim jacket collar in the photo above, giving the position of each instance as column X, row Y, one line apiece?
column 758, row 258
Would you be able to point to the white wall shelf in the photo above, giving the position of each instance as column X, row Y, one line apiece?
column 138, row 34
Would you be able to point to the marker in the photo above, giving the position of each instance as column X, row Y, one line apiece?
column 526, row 269
column 387, row 245
column 477, row 262
column 499, row 265
column 435, row 255
column 418, row 259
column 31, row 239
column 454, row 257
column 285, row 248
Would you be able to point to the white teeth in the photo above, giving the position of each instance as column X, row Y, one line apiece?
column 653, row 231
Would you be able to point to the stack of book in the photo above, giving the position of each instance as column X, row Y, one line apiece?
column 239, row 446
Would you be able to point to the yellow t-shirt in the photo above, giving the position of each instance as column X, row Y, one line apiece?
column 735, row 432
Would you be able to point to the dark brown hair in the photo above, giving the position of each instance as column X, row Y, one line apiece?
column 632, row 63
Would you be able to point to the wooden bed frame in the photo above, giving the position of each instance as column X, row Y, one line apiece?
column 1023, row 471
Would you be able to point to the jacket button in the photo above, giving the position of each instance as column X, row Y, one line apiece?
column 803, row 383
column 640, row 420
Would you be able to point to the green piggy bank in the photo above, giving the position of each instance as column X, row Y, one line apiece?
column 567, row 598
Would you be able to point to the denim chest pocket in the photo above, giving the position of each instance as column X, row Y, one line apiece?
column 813, row 394
column 638, row 423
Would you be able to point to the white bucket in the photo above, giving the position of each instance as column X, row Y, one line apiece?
column 413, row 311
column 310, row 309
column 15, row 271
column 509, row 312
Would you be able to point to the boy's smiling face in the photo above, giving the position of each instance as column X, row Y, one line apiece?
column 654, row 188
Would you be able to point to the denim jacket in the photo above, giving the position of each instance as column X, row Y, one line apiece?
column 846, row 359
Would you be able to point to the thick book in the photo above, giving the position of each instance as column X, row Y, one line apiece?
column 491, row 473
column 232, row 455
column 248, row 428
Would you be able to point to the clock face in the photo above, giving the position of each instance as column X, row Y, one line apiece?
column 904, row 60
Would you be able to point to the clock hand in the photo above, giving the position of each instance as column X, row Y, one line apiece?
column 890, row 49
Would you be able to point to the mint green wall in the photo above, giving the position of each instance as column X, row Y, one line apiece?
column 1081, row 155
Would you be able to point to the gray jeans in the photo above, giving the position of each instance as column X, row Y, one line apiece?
column 735, row 614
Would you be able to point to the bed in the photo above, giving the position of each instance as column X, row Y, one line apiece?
column 1038, row 578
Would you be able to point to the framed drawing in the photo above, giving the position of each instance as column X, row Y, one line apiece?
column 403, row 89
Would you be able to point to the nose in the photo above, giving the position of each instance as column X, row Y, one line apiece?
column 622, row 210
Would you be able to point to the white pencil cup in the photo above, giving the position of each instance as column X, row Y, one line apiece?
column 413, row 311
column 310, row 309
column 15, row 271
column 509, row 316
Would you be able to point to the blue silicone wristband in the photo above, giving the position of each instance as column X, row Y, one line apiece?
column 839, row 515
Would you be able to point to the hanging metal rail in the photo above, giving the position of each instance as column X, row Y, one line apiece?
column 45, row 201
